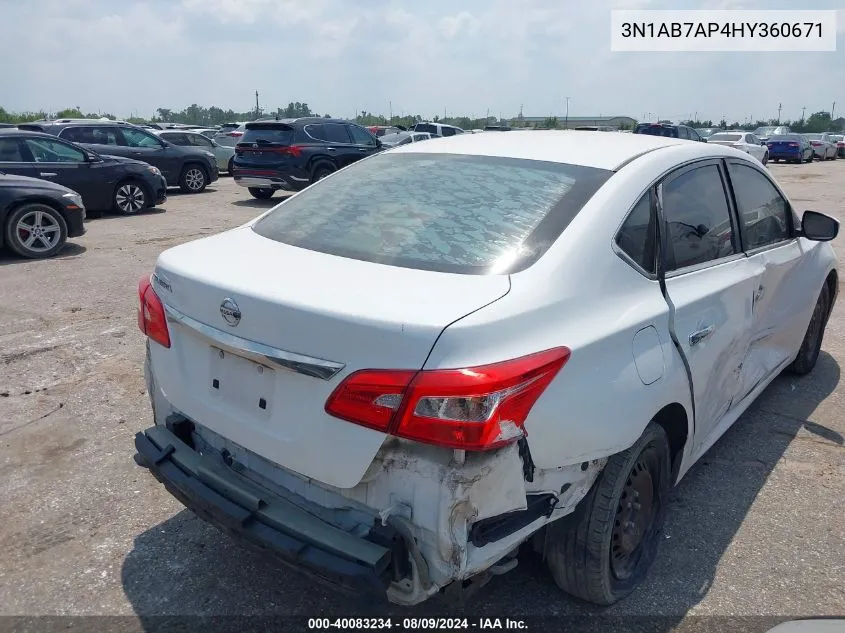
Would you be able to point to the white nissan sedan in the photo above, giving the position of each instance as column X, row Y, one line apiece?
column 395, row 378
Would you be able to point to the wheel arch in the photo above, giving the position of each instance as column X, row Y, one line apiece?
column 832, row 284
column 675, row 421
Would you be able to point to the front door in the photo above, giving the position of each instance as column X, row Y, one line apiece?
column 782, row 305
column 364, row 142
column 710, row 286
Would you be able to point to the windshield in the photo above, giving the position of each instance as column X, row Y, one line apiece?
column 764, row 131
column 814, row 137
column 658, row 130
column 725, row 137
column 425, row 127
column 785, row 137
column 441, row 212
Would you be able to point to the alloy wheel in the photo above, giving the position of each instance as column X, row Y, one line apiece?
column 38, row 231
column 130, row 198
column 195, row 179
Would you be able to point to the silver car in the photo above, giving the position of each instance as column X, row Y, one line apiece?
column 824, row 147
column 223, row 155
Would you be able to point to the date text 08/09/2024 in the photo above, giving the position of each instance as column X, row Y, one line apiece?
column 415, row 624
column 721, row 29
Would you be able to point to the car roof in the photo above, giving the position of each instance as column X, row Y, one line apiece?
column 16, row 132
column 591, row 149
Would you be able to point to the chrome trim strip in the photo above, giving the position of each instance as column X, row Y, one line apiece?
column 299, row 363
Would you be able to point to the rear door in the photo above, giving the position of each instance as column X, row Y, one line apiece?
column 338, row 142
column 710, row 285
column 15, row 158
column 102, row 139
column 781, row 303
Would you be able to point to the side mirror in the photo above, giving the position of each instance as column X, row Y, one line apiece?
column 92, row 157
column 819, row 227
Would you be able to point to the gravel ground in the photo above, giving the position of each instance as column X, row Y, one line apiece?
column 756, row 528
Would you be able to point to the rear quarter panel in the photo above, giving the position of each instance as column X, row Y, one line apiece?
column 582, row 295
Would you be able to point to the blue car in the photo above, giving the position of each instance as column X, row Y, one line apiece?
column 792, row 148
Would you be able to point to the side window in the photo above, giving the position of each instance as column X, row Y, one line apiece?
column 105, row 136
column 199, row 140
column 694, row 136
column 682, row 132
column 137, row 138
column 49, row 151
column 316, row 131
column 404, row 141
column 763, row 212
column 361, row 136
column 175, row 138
column 636, row 237
column 10, row 151
column 78, row 134
column 336, row 133
column 698, row 221
column 447, row 131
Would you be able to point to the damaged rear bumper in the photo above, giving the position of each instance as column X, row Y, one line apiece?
column 238, row 507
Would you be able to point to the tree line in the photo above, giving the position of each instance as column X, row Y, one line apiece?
column 200, row 115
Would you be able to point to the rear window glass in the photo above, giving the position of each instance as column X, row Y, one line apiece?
column 425, row 127
column 278, row 134
column 468, row 214
column 658, row 130
column 814, row 137
column 785, row 137
column 726, row 137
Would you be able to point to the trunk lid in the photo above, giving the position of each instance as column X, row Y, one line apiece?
column 323, row 312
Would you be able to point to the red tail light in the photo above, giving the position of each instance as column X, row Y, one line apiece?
column 477, row 408
column 815, row 143
column 151, row 318
column 236, row 134
column 287, row 150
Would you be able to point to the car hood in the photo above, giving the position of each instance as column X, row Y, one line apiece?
column 9, row 180
column 123, row 160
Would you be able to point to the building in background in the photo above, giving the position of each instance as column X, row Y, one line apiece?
column 618, row 122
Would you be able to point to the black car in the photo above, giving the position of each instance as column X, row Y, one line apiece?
column 104, row 182
column 672, row 131
column 290, row 154
column 191, row 168
column 37, row 216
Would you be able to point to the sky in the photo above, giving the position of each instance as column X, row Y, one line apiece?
column 461, row 57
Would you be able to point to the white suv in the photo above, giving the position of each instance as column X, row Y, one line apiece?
column 437, row 129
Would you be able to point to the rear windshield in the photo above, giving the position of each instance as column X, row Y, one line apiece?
column 270, row 133
column 657, row 130
column 425, row 127
column 785, row 137
column 814, row 137
column 442, row 212
column 726, row 137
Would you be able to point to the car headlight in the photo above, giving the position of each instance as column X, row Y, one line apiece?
column 74, row 198
column 154, row 170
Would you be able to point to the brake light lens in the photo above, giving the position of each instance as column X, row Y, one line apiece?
column 475, row 408
column 286, row 150
column 151, row 318
column 236, row 134
column 815, row 143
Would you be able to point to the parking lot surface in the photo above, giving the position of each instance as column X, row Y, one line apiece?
column 756, row 528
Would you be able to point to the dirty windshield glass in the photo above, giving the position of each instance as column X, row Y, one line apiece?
column 444, row 212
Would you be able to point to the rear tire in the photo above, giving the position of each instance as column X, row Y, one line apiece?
column 808, row 353
column 193, row 179
column 35, row 231
column 766, row 158
column 261, row 194
column 607, row 553
column 231, row 166
column 321, row 171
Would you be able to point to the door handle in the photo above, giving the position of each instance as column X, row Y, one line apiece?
column 758, row 294
column 47, row 174
column 331, row 149
column 363, row 149
column 699, row 335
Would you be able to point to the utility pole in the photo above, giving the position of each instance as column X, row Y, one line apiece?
column 256, row 105
column 391, row 111
column 780, row 105
column 802, row 114
column 566, row 122
column 832, row 109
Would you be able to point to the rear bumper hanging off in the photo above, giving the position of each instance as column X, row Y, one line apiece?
column 238, row 507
